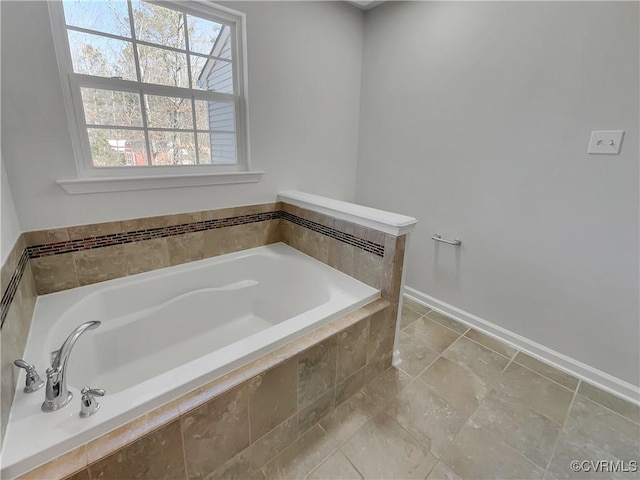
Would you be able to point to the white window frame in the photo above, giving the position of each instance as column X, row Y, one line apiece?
column 90, row 176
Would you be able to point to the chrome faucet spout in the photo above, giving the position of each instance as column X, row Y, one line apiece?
column 56, row 393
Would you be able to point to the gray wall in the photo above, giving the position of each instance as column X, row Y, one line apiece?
column 10, row 227
column 304, row 88
column 475, row 119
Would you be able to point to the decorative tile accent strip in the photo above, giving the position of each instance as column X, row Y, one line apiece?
column 12, row 287
column 90, row 243
column 333, row 233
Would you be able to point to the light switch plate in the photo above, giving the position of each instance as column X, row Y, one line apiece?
column 605, row 142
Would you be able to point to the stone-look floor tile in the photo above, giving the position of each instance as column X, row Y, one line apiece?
column 384, row 388
column 427, row 417
column 548, row 371
column 215, row 432
column 350, row 386
column 302, row 457
column 101, row 264
column 367, row 267
column 352, row 349
column 336, row 467
column 312, row 413
column 536, row 391
column 146, row 255
column 273, row 397
column 485, row 363
column 491, row 343
column 476, row 454
column 54, row 273
column 344, row 420
column 523, row 429
column 340, row 256
column 618, row 405
column 415, row 306
column 571, row 448
column 383, row 449
column 185, row 248
column 382, row 330
column 597, row 426
column 459, row 387
column 433, row 335
column 408, row 317
column 94, row 230
column 274, row 442
column 415, row 354
column 447, row 322
column 156, row 456
column 317, row 371
column 442, row 472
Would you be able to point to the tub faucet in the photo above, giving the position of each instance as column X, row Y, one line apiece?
column 56, row 393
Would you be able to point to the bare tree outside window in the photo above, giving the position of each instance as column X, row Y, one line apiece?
column 133, row 124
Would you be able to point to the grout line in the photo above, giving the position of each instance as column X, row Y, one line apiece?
column 564, row 423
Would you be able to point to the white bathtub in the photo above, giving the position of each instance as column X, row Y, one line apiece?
column 165, row 333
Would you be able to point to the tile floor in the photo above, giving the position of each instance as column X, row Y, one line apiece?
column 463, row 405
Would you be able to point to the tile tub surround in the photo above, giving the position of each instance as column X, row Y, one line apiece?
column 18, row 302
column 241, row 421
column 65, row 258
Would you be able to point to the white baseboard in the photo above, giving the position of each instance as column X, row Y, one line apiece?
column 592, row 375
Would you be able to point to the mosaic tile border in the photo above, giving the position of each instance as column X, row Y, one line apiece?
column 12, row 287
column 90, row 243
column 366, row 245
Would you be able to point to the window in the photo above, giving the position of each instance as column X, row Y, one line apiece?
column 152, row 88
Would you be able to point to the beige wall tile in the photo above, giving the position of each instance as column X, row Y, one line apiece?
column 368, row 267
column 216, row 432
column 81, row 475
column 219, row 241
column 52, row 235
column 274, row 442
column 156, row 456
column 253, row 209
column 11, row 262
column 350, row 386
column 393, row 263
column 340, row 256
column 182, row 218
column 382, row 329
column 273, row 397
column 217, row 213
column 60, row 467
column 315, row 411
column 185, row 248
column 316, row 371
column 145, row 223
column 146, row 255
column 94, row 230
column 352, row 349
column 100, row 264
column 54, row 273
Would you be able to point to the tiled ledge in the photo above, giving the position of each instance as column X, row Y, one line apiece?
column 98, row 449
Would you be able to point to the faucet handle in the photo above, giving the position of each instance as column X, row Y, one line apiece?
column 33, row 381
column 88, row 404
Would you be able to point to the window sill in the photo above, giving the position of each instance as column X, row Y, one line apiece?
column 123, row 184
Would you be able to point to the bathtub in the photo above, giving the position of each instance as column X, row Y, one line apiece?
column 165, row 333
